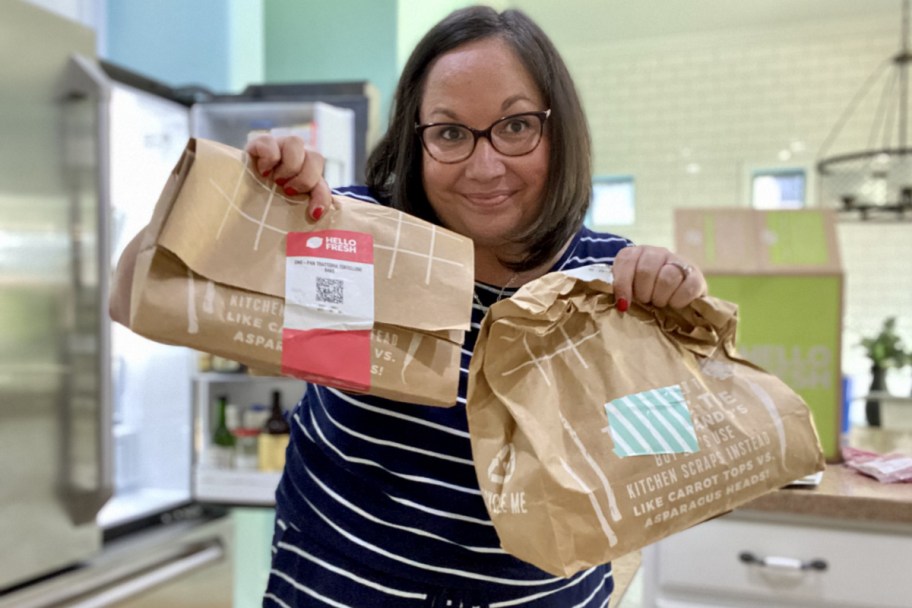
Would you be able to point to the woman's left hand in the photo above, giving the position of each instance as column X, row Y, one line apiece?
column 656, row 276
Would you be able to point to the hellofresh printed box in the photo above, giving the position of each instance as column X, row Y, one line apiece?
column 783, row 270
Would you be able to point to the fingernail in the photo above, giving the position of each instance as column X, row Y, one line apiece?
column 266, row 173
column 281, row 181
column 622, row 304
column 317, row 213
column 290, row 191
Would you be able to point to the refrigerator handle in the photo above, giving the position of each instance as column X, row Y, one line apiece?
column 85, row 493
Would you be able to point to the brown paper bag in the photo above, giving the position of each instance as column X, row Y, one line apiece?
column 211, row 275
column 595, row 433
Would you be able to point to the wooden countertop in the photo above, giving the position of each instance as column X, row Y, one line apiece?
column 843, row 493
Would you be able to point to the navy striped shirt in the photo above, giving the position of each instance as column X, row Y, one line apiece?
column 379, row 504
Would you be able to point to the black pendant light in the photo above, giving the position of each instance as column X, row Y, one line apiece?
column 875, row 183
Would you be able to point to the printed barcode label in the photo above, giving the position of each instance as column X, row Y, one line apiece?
column 329, row 280
column 329, row 308
column 330, row 291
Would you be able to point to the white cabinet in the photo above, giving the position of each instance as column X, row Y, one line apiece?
column 232, row 486
column 748, row 559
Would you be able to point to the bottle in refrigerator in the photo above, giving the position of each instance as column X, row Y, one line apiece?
column 232, row 417
column 246, row 454
column 255, row 416
column 222, row 438
column 273, row 439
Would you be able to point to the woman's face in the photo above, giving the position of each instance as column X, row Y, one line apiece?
column 488, row 197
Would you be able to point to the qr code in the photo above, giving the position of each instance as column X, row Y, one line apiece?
column 329, row 291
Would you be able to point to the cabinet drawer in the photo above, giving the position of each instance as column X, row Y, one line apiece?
column 704, row 566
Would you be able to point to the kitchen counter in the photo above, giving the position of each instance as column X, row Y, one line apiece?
column 843, row 496
column 857, row 530
column 843, row 493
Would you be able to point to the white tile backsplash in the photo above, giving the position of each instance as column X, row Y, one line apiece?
column 723, row 101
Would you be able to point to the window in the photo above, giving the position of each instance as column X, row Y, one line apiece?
column 612, row 202
column 778, row 189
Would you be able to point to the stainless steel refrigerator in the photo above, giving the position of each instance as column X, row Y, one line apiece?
column 102, row 495
column 62, row 425
column 53, row 380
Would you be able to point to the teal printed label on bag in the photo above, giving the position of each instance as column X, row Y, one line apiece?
column 656, row 421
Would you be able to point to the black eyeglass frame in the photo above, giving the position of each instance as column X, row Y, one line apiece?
column 542, row 116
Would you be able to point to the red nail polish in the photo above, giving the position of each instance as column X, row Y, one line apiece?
column 266, row 173
column 281, row 181
column 291, row 191
column 317, row 213
column 622, row 304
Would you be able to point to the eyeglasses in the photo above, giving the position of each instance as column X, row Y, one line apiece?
column 514, row 135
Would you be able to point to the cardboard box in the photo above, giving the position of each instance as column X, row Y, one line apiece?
column 783, row 270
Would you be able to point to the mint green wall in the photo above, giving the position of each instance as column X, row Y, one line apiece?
column 253, row 528
column 213, row 43
column 246, row 64
column 416, row 18
column 348, row 39
column 308, row 41
column 225, row 45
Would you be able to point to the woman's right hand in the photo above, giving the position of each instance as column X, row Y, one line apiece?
column 293, row 167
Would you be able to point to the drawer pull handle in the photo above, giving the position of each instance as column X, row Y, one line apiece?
column 787, row 563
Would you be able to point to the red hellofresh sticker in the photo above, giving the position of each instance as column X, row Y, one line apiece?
column 329, row 307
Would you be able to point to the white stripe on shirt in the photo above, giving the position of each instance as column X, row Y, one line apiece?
column 388, row 412
column 522, row 600
column 453, row 571
column 373, row 518
column 439, row 513
column 393, row 444
column 349, row 575
column 365, row 461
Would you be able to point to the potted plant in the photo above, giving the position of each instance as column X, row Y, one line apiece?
column 885, row 350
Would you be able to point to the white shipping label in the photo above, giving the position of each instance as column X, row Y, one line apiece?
column 329, row 280
column 592, row 272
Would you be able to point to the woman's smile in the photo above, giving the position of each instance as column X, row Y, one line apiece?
column 488, row 199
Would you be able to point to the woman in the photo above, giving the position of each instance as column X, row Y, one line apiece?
column 379, row 504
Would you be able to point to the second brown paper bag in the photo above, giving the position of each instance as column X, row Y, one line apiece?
column 596, row 433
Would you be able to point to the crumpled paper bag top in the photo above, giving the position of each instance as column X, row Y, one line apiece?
column 596, row 433
column 423, row 274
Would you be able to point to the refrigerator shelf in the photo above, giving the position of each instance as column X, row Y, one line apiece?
column 229, row 377
column 221, row 486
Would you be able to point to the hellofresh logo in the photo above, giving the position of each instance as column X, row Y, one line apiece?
column 314, row 242
column 335, row 243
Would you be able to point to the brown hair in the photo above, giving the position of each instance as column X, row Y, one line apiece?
column 394, row 166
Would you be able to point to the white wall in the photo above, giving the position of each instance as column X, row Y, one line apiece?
column 687, row 113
